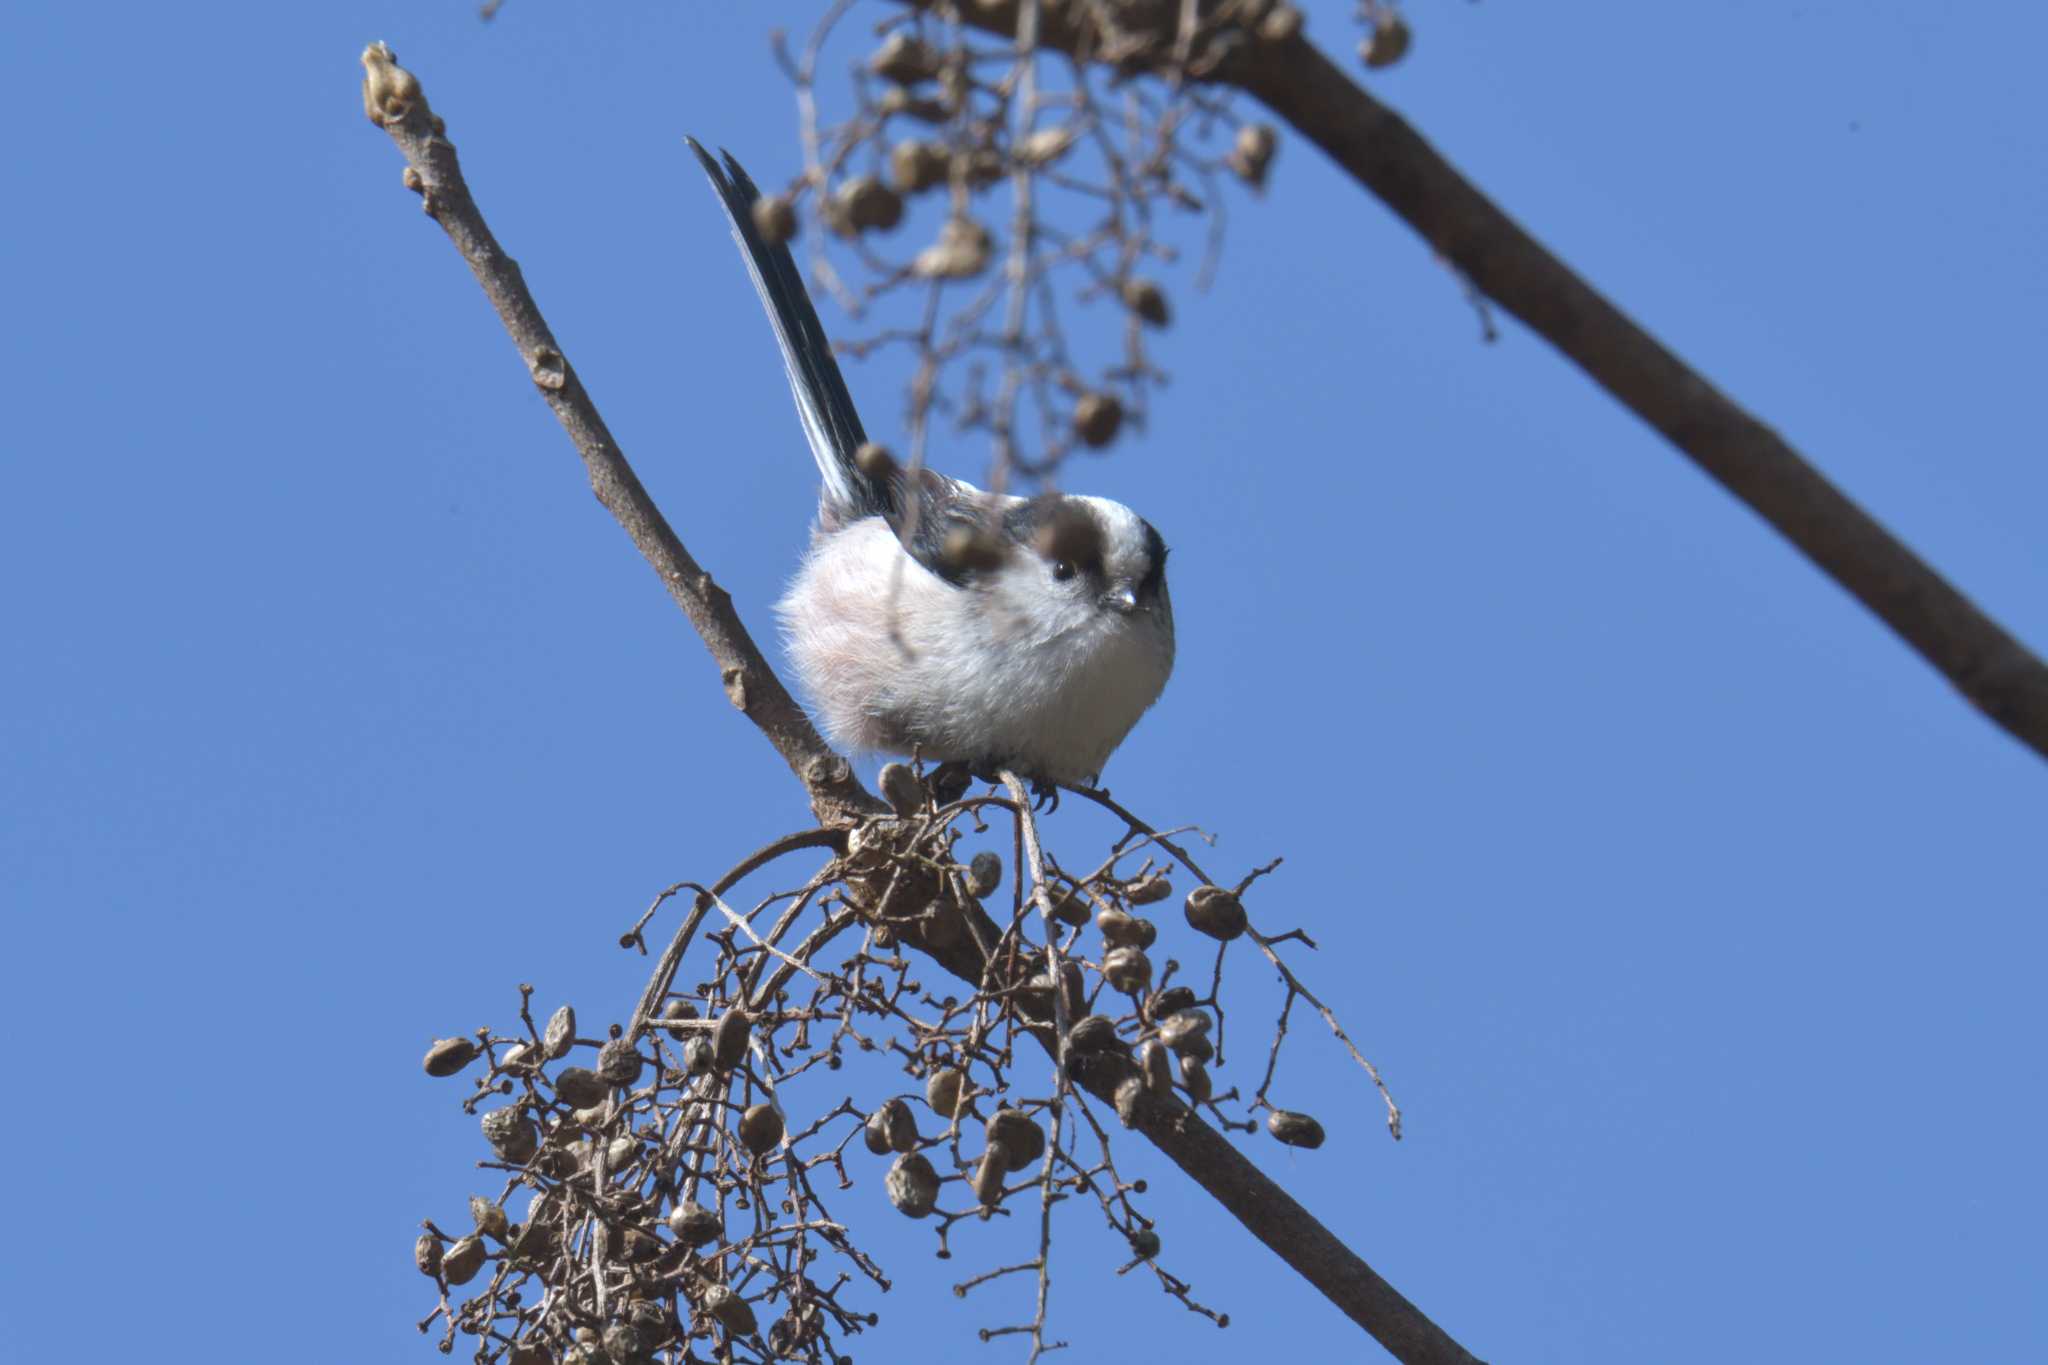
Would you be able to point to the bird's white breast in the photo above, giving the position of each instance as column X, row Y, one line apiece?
column 895, row 658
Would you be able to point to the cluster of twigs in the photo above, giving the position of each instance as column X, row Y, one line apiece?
column 675, row 1169
column 942, row 125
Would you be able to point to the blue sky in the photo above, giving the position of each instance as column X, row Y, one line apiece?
column 1696, row 923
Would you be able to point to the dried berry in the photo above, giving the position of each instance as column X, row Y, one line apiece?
column 733, row 1313
column 988, row 1175
column 580, row 1088
column 426, row 1254
column 1188, row 1034
column 560, row 1034
column 1127, row 969
column 912, row 1184
column 1097, row 418
column 1145, row 1243
column 1216, row 912
column 1294, row 1129
column 946, row 1091
column 892, row 1128
column 962, row 252
column 985, row 873
column 619, row 1063
column 1069, row 907
column 900, row 787
column 694, row 1225
column 1147, row 300
column 915, row 165
column 775, row 219
column 1148, row 890
column 461, row 1261
column 1157, row 1065
column 1253, row 153
column 760, row 1129
column 1019, row 1136
column 1387, row 43
column 621, row 1341
column 697, row 1056
column 449, row 1055
column 1096, row 1033
column 865, row 204
column 490, row 1218
column 729, row 1039
column 511, row 1135
column 1194, row 1074
column 905, row 60
column 1074, row 989
column 1170, row 1000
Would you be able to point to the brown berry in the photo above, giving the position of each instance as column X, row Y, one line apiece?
column 865, row 204
column 560, row 1034
column 905, row 59
column 1294, row 1129
column 1148, row 890
column 946, row 1091
column 1216, row 912
column 988, row 1175
column 1147, row 300
column 1127, row 969
column 1019, row 1136
column 1387, row 43
column 449, row 1055
column 490, row 1218
column 511, row 1135
column 733, row 1313
column 729, row 1039
column 912, row 1184
column 426, row 1254
column 891, row 1128
column 580, row 1088
column 916, row 165
column 461, row 1261
column 619, row 1063
column 775, row 219
column 760, row 1129
column 694, row 1225
column 985, row 873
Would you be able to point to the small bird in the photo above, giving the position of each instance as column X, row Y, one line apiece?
column 931, row 617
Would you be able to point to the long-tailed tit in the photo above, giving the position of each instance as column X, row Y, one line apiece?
column 931, row 616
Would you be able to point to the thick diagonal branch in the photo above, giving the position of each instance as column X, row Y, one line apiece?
column 393, row 100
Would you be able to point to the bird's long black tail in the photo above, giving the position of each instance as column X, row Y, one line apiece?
column 822, row 402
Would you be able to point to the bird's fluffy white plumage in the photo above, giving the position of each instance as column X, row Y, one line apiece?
column 1015, row 667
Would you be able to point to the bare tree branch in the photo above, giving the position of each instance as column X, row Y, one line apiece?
column 1379, row 149
column 393, row 100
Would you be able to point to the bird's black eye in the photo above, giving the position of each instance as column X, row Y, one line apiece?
column 1062, row 570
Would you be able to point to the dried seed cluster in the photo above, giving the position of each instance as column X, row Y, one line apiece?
column 995, row 185
column 679, row 1186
